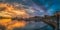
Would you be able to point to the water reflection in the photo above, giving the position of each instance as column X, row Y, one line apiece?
column 36, row 26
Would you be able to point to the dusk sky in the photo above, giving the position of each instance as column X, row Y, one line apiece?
column 40, row 7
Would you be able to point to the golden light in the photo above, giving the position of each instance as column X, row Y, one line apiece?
column 10, row 11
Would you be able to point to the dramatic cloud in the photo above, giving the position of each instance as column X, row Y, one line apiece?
column 47, row 7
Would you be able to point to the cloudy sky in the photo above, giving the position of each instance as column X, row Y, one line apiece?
column 38, row 7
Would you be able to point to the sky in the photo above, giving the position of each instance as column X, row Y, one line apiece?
column 38, row 7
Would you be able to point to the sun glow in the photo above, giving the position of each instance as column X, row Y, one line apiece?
column 10, row 11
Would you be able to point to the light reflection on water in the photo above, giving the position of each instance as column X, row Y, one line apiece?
column 36, row 26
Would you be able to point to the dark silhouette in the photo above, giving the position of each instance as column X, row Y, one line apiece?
column 2, row 27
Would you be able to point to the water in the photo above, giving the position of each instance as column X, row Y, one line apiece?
column 36, row 26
